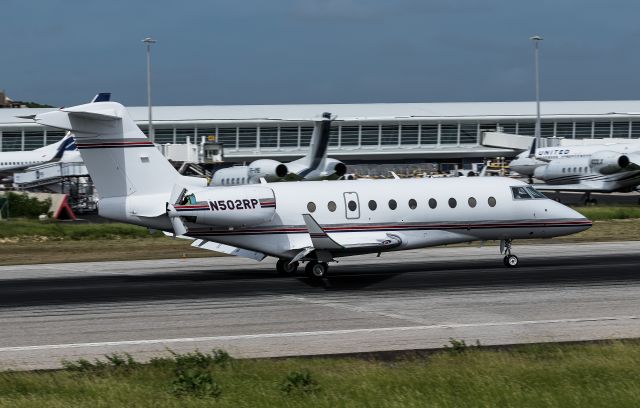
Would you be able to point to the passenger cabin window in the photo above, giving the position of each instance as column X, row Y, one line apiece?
column 491, row 201
column 352, row 205
column 433, row 203
column 413, row 204
column 332, row 206
column 373, row 205
column 392, row 204
column 472, row 202
column 311, row 206
column 452, row 202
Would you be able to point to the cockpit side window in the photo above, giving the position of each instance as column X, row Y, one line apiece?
column 526, row 193
column 520, row 193
column 535, row 193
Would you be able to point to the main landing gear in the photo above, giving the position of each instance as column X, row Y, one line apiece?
column 316, row 270
column 285, row 267
column 509, row 259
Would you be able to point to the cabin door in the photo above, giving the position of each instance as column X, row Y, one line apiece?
column 352, row 206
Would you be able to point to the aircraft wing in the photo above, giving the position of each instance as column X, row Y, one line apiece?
column 367, row 242
column 564, row 187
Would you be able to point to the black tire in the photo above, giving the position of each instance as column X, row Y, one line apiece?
column 504, row 261
column 316, row 270
column 283, row 267
column 511, row 261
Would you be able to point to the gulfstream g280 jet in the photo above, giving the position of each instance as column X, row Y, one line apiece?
column 313, row 222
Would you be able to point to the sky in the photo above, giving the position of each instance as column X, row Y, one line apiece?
column 220, row 52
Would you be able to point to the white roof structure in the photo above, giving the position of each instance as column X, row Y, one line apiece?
column 370, row 131
column 367, row 111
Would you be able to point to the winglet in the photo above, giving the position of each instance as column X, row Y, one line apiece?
column 319, row 238
column 102, row 97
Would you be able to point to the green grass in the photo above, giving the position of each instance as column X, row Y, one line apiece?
column 588, row 375
column 603, row 212
column 30, row 229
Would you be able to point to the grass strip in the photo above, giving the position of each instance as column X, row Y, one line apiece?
column 553, row 375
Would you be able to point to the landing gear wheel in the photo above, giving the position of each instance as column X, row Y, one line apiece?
column 317, row 270
column 510, row 261
column 283, row 267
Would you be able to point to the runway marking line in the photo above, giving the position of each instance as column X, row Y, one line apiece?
column 311, row 333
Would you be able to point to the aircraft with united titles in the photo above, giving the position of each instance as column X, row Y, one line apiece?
column 312, row 222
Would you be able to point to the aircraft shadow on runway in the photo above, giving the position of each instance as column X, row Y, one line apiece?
column 427, row 276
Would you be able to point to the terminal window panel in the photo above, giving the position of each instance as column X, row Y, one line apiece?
column 369, row 135
column 449, row 134
column 247, row 137
column 268, row 137
column 33, row 139
column 349, row 136
column 185, row 133
column 334, row 135
column 11, row 141
column 390, row 134
column 546, row 129
column 289, row 136
column 54, row 136
column 163, row 135
column 409, row 134
column 429, row 134
column 469, row 133
column 526, row 128
column 601, row 129
column 227, row 136
column 620, row 129
column 564, row 129
column 305, row 135
column 635, row 129
column 583, row 130
column 508, row 128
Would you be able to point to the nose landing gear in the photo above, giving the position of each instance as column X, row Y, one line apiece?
column 509, row 259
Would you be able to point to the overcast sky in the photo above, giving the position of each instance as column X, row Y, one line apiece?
column 61, row 52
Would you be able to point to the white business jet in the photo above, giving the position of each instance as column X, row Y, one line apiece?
column 313, row 222
column 313, row 166
column 605, row 168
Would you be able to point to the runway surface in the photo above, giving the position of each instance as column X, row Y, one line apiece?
column 406, row 300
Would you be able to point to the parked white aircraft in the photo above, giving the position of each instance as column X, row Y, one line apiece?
column 63, row 150
column 314, row 222
column 605, row 167
column 314, row 166
column 20, row 160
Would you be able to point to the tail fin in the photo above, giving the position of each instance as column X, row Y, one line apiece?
column 57, row 149
column 532, row 151
column 319, row 144
column 119, row 157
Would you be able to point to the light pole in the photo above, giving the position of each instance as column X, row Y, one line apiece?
column 149, row 41
column 536, row 39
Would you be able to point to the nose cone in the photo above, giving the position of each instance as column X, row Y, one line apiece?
column 570, row 221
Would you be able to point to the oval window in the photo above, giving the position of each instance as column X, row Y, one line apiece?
column 373, row 205
column 352, row 205
column 472, row 202
column 311, row 206
column 413, row 204
column 452, row 202
column 433, row 203
column 492, row 202
column 392, row 204
column 332, row 206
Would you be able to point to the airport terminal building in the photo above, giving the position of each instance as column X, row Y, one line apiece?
column 396, row 132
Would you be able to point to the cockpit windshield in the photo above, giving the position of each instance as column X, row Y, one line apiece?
column 526, row 193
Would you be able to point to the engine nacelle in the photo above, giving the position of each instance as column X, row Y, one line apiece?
column 608, row 162
column 241, row 206
column 335, row 167
column 271, row 170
